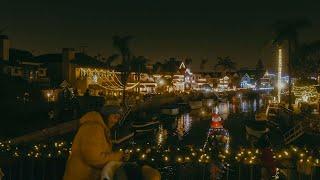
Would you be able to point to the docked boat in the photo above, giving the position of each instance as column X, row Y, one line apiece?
column 255, row 129
column 195, row 104
column 170, row 110
column 145, row 127
column 207, row 102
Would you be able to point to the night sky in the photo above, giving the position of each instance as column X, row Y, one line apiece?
column 162, row 29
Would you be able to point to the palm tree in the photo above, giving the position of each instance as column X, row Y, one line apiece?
column 110, row 60
column 308, row 60
column 157, row 66
column 287, row 30
column 259, row 71
column 188, row 61
column 203, row 63
column 122, row 45
column 226, row 64
column 171, row 65
column 138, row 65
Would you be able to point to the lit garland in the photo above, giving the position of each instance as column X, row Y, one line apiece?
column 110, row 81
column 305, row 94
column 300, row 155
column 169, row 155
column 52, row 150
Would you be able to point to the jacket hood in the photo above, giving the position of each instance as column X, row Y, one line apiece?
column 92, row 117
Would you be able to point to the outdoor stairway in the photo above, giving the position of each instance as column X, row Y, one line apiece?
column 304, row 126
column 294, row 133
column 125, row 115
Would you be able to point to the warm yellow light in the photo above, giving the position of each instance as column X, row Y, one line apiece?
column 143, row 156
column 166, row 158
column 279, row 73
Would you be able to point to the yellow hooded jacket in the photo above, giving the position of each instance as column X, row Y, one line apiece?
column 91, row 149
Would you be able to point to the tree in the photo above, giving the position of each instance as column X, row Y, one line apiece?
column 110, row 60
column 226, row 64
column 122, row 45
column 138, row 65
column 171, row 65
column 188, row 61
column 2, row 30
column 203, row 62
column 287, row 30
column 308, row 60
column 259, row 72
column 157, row 66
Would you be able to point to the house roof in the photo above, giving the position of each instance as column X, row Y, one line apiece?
column 81, row 59
column 18, row 57
column 250, row 72
column 50, row 58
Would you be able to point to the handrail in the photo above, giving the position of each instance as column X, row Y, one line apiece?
column 121, row 140
column 294, row 133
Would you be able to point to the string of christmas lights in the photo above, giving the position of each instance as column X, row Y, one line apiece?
column 154, row 155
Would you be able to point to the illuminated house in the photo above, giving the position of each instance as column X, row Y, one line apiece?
column 78, row 69
column 147, row 83
column 21, row 63
column 247, row 82
column 268, row 81
column 224, row 83
column 202, row 82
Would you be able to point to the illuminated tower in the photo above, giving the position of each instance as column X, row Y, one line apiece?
column 279, row 73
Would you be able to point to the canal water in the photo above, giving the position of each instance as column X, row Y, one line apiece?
column 192, row 127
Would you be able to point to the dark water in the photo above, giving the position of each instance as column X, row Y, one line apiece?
column 191, row 128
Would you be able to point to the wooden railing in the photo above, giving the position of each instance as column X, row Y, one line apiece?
column 294, row 133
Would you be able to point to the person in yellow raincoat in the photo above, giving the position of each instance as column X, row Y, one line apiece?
column 92, row 147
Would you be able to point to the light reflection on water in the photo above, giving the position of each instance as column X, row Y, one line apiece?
column 185, row 122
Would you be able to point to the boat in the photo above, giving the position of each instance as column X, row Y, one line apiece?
column 207, row 102
column 183, row 106
column 170, row 110
column 195, row 104
column 216, row 121
column 258, row 127
column 145, row 127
